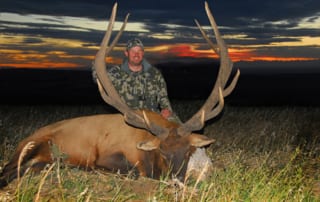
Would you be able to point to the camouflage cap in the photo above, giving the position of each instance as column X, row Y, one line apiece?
column 134, row 42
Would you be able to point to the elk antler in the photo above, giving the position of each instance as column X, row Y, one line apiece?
column 215, row 102
column 106, row 88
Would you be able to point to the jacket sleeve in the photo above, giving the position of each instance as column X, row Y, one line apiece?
column 164, row 101
column 113, row 73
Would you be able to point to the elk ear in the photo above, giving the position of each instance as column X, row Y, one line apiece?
column 200, row 140
column 149, row 145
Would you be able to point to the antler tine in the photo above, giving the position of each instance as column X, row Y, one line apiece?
column 215, row 102
column 226, row 63
column 105, row 84
column 106, row 88
column 207, row 38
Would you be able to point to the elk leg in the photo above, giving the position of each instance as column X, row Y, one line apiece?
column 116, row 162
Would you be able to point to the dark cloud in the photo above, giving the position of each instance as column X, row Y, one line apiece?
column 255, row 20
column 32, row 40
column 230, row 12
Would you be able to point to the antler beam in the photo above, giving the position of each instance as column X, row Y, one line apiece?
column 214, row 104
column 106, row 88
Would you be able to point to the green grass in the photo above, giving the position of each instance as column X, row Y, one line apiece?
column 260, row 154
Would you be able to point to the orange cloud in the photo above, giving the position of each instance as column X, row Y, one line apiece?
column 22, row 61
column 187, row 50
column 34, row 59
column 60, row 59
column 194, row 51
column 251, row 56
column 280, row 59
column 40, row 65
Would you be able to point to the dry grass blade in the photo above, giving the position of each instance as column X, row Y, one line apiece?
column 24, row 151
column 42, row 182
column 198, row 180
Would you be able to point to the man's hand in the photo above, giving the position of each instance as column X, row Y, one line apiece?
column 166, row 113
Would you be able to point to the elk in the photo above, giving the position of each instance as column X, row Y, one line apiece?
column 132, row 140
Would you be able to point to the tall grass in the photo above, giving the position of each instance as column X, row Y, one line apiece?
column 260, row 154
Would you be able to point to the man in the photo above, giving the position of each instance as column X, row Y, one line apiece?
column 140, row 84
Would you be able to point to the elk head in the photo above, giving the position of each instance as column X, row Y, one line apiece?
column 173, row 138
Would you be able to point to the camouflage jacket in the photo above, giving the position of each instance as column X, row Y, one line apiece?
column 140, row 90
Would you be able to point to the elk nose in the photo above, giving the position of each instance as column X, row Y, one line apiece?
column 177, row 183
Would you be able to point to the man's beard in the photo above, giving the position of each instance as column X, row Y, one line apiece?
column 136, row 63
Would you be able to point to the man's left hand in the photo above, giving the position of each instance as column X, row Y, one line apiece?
column 166, row 113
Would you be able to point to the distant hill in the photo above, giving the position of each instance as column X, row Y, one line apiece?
column 47, row 86
column 189, row 80
column 185, row 80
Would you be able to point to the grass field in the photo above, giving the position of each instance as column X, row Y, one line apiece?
column 261, row 154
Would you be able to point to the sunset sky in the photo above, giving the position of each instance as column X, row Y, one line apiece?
column 67, row 33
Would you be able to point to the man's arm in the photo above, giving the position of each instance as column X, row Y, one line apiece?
column 164, row 101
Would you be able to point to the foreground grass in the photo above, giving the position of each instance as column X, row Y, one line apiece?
column 261, row 154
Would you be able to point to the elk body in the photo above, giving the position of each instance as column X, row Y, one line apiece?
column 105, row 141
column 133, row 140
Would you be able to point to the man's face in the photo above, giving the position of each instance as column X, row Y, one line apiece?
column 135, row 55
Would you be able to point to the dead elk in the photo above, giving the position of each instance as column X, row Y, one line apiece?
column 136, row 140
